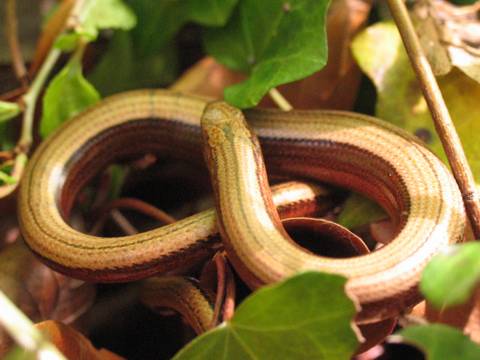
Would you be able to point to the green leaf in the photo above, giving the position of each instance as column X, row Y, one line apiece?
column 118, row 174
column 123, row 68
column 8, row 110
column 159, row 21
column 105, row 14
column 463, row 2
column 359, row 210
column 380, row 53
column 18, row 353
column 145, row 56
column 307, row 316
column 67, row 42
column 67, row 94
column 211, row 12
column 6, row 170
column 7, row 179
column 458, row 270
column 274, row 41
column 440, row 342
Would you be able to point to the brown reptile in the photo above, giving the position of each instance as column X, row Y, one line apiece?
column 345, row 149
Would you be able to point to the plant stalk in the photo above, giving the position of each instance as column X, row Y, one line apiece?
column 30, row 99
column 25, row 334
column 439, row 111
column 11, row 31
column 280, row 100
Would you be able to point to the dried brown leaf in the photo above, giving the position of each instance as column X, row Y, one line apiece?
column 72, row 343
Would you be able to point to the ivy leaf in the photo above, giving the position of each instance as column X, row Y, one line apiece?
column 159, row 21
column 440, row 342
column 106, row 14
column 359, row 210
column 211, row 12
column 8, row 110
column 121, row 68
column 67, row 42
column 67, row 94
column 307, row 316
column 457, row 270
column 97, row 15
column 145, row 55
column 275, row 42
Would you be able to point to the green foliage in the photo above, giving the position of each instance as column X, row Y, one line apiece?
column 8, row 110
column 6, row 170
column 450, row 278
column 307, row 316
column 440, row 342
column 358, row 210
column 67, row 94
column 463, row 2
column 97, row 15
column 118, row 174
column 18, row 353
column 145, row 56
column 105, row 14
column 67, row 42
column 274, row 41
column 159, row 21
column 6, row 178
column 123, row 68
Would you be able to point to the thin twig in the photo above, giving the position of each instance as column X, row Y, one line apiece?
column 131, row 204
column 142, row 207
column 441, row 117
column 123, row 223
column 28, row 103
column 12, row 95
column 30, row 99
column 220, row 293
column 411, row 320
column 24, row 332
column 11, row 32
column 230, row 292
column 280, row 100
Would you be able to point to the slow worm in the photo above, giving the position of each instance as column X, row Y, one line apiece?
column 182, row 294
column 345, row 149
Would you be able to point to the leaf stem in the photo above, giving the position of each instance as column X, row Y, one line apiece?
column 279, row 100
column 220, row 264
column 30, row 99
column 11, row 31
column 24, row 332
column 441, row 117
column 123, row 222
column 411, row 320
column 229, row 301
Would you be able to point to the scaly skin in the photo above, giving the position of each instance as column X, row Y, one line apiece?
column 349, row 150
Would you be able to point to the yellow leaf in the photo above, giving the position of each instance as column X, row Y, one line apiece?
column 380, row 54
